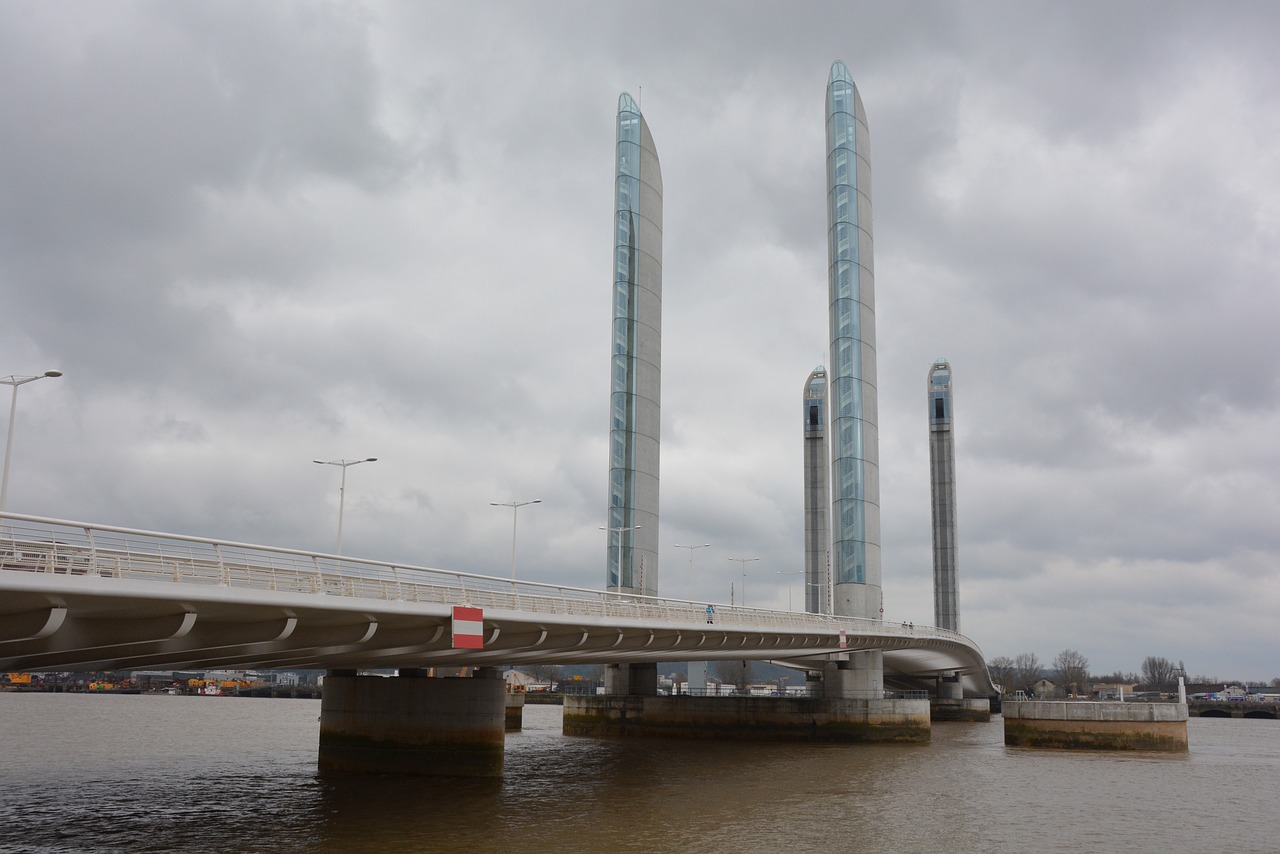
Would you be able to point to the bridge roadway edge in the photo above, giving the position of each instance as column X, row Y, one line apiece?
column 83, row 596
column 80, row 596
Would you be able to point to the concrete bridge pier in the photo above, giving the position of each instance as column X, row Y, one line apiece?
column 860, row 675
column 1092, row 725
column 853, row 694
column 413, row 724
column 631, row 680
column 697, row 678
column 950, row 704
column 515, row 711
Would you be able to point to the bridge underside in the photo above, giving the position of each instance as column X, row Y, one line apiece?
column 50, row 622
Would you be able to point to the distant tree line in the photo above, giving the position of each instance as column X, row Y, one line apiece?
column 1069, row 671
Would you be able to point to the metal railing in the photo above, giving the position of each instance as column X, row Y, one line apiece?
column 63, row 547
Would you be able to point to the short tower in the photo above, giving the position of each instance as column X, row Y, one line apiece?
column 942, row 485
column 817, row 496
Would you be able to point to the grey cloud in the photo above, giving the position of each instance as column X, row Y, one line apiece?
column 256, row 234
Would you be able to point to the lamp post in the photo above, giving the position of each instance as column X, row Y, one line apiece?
column 515, row 512
column 744, row 561
column 342, row 488
column 15, row 381
column 821, row 588
column 619, row 532
column 691, row 549
column 797, row 572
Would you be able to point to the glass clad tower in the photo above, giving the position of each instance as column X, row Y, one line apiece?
column 942, row 483
column 851, row 395
column 636, row 358
column 817, row 498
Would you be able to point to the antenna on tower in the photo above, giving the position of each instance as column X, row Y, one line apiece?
column 640, row 90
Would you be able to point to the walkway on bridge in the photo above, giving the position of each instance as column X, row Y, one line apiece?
column 83, row 596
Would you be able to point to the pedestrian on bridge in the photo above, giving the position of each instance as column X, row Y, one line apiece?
column 711, row 613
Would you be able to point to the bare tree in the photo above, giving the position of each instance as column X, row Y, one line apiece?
column 1002, row 672
column 736, row 673
column 1072, row 670
column 549, row 673
column 1157, row 672
column 1026, row 670
column 1119, row 678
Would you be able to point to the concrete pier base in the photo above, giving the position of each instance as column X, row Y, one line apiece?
column 637, row 680
column 1095, row 725
column 697, row 677
column 855, row 675
column 515, row 712
column 947, row 709
column 749, row 718
column 411, row 724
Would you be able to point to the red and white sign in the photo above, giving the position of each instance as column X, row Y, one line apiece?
column 844, row 641
column 468, row 628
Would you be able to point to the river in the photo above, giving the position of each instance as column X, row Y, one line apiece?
column 117, row 773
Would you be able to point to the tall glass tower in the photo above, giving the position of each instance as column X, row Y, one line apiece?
column 855, row 454
column 636, row 359
column 942, row 486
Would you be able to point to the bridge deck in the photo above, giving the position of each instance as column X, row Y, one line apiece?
column 79, row 596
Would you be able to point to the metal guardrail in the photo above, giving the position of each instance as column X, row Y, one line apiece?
column 63, row 547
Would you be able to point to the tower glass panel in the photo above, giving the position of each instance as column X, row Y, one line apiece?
column 852, row 384
column 632, row 557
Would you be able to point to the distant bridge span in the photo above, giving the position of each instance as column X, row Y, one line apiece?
column 79, row 596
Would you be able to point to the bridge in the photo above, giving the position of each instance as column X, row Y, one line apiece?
column 82, row 596
column 1269, row 710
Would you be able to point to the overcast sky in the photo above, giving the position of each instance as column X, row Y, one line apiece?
column 256, row 233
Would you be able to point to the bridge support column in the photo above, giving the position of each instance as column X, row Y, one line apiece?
column 631, row 680
column 951, row 705
column 949, row 688
column 861, row 676
column 412, row 724
column 515, row 711
column 697, row 678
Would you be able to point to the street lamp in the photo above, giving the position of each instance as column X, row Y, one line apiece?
column 797, row 572
column 619, row 532
column 342, row 488
column 744, row 561
column 15, row 381
column 515, row 512
column 691, row 548
column 821, row 596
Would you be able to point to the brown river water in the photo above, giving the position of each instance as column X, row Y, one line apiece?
column 121, row 773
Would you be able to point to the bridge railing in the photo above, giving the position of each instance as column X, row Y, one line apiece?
column 63, row 547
